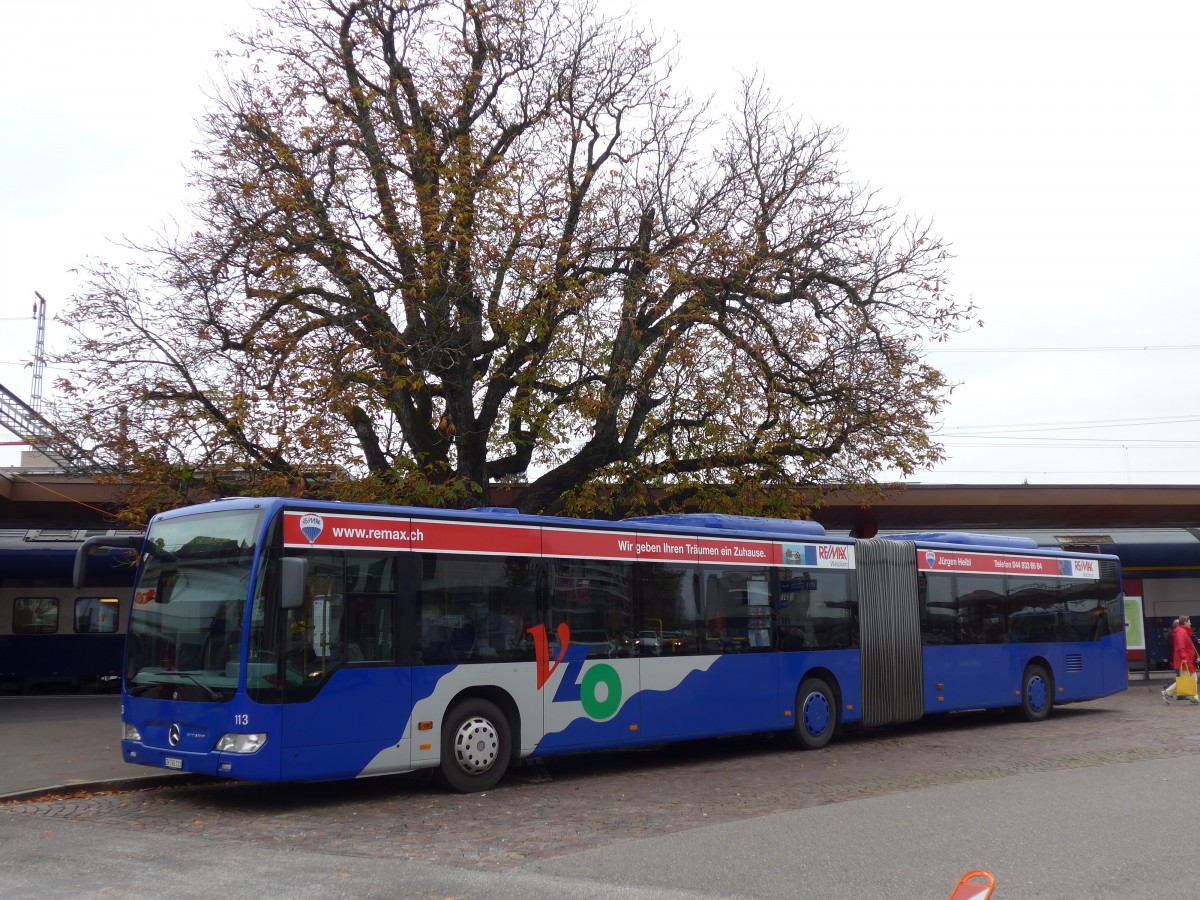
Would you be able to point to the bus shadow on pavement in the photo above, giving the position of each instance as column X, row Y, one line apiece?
column 677, row 762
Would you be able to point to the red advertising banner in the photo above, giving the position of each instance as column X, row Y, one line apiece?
column 1005, row 564
column 658, row 548
column 738, row 553
column 384, row 533
column 580, row 544
column 350, row 532
column 346, row 532
column 476, row 537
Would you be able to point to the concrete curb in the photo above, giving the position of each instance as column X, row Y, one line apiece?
column 136, row 783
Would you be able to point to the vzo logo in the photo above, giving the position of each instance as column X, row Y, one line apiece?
column 599, row 690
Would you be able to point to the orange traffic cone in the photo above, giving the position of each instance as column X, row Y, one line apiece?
column 970, row 888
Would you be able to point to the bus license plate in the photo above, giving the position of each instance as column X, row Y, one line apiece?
column 172, row 762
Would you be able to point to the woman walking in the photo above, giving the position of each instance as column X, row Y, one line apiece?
column 1183, row 653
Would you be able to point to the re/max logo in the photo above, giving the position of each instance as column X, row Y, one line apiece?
column 831, row 552
column 599, row 690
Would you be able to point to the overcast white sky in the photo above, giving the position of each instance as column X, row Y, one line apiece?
column 1054, row 145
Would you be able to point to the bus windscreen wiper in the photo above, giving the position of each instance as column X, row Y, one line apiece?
column 194, row 680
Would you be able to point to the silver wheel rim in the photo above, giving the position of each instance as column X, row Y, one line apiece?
column 476, row 745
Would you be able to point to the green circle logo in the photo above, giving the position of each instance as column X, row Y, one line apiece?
column 596, row 706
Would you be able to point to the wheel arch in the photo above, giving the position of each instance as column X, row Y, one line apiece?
column 1039, row 660
column 826, row 675
column 503, row 699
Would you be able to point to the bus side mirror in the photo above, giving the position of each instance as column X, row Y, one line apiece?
column 79, row 573
column 293, row 576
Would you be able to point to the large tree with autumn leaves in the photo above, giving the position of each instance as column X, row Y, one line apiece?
column 441, row 244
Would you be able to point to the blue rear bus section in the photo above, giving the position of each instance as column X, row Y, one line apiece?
column 882, row 652
column 991, row 674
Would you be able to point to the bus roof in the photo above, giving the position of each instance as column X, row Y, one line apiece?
column 995, row 542
column 966, row 539
column 688, row 522
column 723, row 522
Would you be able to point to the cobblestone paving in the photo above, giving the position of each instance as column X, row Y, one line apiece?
column 595, row 800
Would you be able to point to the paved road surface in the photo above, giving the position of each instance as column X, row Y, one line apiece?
column 1074, row 807
column 59, row 740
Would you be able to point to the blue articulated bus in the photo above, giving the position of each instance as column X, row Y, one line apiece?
column 290, row 640
column 53, row 635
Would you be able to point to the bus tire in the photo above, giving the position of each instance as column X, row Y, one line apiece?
column 476, row 745
column 1037, row 693
column 816, row 715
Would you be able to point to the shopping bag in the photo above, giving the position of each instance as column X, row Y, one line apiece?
column 1185, row 683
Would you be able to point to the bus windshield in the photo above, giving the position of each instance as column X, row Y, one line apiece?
column 185, row 627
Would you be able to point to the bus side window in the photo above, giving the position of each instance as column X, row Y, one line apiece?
column 475, row 610
column 367, row 628
column 939, row 616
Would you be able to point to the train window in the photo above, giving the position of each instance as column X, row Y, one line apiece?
column 35, row 615
column 95, row 615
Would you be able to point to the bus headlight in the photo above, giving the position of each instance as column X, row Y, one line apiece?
column 131, row 732
column 241, row 743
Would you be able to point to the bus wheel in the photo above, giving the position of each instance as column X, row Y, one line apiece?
column 1037, row 693
column 816, row 715
column 476, row 746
